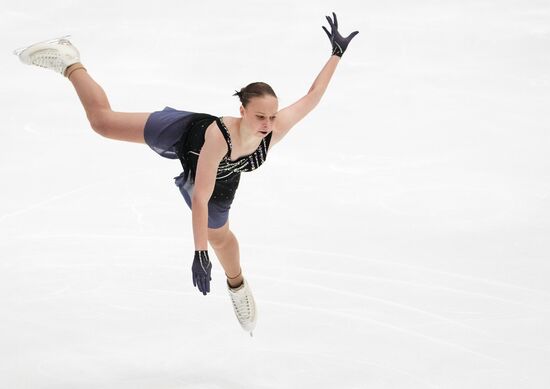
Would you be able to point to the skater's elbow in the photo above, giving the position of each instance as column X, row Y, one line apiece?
column 199, row 198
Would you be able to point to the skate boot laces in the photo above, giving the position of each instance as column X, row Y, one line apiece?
column 54, row 58
column 56, row 54
column 244, row 306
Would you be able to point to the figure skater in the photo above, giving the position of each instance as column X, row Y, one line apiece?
column 213, row 150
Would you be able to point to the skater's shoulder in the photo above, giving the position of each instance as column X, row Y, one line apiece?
column 215, row 141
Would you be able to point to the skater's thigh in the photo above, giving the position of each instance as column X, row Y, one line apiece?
column 126, row 126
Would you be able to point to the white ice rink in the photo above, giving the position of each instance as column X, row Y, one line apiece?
column 398, row 237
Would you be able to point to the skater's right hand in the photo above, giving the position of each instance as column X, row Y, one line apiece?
column 202, row 267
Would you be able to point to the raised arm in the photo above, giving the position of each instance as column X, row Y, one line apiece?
column 289, row 116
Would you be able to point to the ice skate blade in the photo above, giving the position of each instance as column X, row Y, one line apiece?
column 55, row 40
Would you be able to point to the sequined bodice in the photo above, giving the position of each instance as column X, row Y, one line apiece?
column 247, row 163
column 229, row 172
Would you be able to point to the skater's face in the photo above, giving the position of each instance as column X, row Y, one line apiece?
column 260, row 113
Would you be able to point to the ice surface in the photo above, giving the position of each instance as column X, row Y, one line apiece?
column 397, row 238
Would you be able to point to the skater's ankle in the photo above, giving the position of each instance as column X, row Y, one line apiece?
column 74, row 67
column 235, row 283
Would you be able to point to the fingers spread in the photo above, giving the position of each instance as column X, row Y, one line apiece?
column 350, row 37
column 328, row 33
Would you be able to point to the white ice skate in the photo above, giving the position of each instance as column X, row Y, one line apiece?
column 244, row 306
column 56, row 54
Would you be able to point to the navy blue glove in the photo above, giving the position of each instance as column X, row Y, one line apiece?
column 202, row 267
column 339, row 43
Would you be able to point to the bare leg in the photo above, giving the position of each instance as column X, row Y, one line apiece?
column 226, row 247
column 114, row 125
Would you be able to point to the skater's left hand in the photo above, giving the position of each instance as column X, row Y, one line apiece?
column 339, row 43
column 202, row 267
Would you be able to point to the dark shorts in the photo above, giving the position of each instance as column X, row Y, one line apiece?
column 163, row 130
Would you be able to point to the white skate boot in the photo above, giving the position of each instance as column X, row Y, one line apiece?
column 56, row 54
column 244, row 306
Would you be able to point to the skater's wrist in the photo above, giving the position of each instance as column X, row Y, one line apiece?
column 201, row 253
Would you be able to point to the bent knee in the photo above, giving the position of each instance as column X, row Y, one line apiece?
column 99, row 121
column 220, row 238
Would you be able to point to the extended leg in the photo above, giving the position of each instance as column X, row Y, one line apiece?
column 114, row 125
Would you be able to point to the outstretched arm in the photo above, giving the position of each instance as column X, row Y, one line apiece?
column 289, row 116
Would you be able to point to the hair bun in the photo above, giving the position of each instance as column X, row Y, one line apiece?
column 256, row 89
